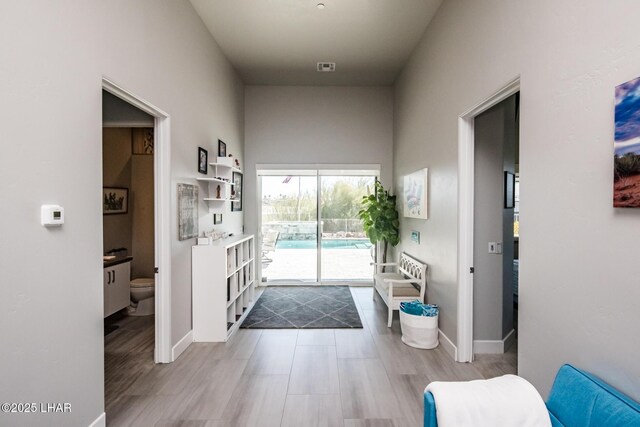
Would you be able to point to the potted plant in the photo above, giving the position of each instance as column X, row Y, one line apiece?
column 380, row 219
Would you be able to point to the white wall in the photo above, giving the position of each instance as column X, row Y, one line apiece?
column 328, row 125
column 53, row 58
column 579, row 277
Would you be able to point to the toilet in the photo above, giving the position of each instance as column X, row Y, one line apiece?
column 142, row 297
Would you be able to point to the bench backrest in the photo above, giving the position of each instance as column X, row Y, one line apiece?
column 414, row 269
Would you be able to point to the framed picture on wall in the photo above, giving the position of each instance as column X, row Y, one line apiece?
column 203, row 159
column 236, row 204
column 187, row 211
column 222, row 149
column 217, row 219
column 115, row 200
column 509, row 190
column 415, row 194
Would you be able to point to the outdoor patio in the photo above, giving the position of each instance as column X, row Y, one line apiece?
column 301, row 265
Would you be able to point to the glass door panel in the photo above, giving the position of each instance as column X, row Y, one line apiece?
column 345, row 249
column 289, row 229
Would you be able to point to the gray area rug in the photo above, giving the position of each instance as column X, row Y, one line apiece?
column 304, row 307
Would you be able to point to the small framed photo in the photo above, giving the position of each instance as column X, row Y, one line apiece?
column 115, row 200
column 509, row 190
column 203, row 160
column 217, row 219
column 236, row 203
column 222, row 149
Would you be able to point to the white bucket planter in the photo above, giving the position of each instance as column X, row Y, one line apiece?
column 419, row 331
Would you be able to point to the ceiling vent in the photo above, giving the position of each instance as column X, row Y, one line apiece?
column 326, row 67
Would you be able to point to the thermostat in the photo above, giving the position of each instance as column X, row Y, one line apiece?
column 52, row 215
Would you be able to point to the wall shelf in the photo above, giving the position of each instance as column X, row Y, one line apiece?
column 223, row 171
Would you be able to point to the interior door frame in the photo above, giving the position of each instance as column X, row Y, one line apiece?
column 162, row 216
column 466, row 158
column 295, row 169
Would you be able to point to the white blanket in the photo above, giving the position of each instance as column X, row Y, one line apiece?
column 507, row 401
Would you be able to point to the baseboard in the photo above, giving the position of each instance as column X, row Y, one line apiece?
column 448, row 345
column 494, row 346
column 181, row 345
column 509, row 340
column 101, row 421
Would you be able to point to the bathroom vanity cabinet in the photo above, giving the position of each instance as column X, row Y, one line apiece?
column 223, row 280
column 117, row 278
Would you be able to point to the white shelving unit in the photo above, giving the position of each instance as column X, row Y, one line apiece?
column 223, row 286
column 223, row 171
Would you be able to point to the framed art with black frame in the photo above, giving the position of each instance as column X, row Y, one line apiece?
column 509, row 190
column 222, row 149
column 236, row 204
column 203, row 160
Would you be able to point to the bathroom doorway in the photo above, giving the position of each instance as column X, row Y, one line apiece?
column 136, row 245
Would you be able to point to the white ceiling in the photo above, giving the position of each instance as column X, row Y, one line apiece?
column 279, row 42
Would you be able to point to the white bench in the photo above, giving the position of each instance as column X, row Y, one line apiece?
column 407, row 283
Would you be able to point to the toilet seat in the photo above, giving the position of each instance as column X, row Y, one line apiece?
column 143, row 282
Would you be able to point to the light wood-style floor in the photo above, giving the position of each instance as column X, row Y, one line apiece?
column 336, row 377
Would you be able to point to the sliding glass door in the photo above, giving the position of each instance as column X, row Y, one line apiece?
column 290, row 228
column 345, row 249
column 310, row 230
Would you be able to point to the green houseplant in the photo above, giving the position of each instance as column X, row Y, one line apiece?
column 380, row 218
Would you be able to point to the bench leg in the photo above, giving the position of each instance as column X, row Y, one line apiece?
column 390, row 317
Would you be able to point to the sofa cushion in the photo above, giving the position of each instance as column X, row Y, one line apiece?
column 580, row 399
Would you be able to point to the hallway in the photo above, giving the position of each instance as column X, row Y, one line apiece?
column 334, row 377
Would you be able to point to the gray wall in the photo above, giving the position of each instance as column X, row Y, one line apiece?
column 579, row 278
column 51, row 314
column 329, row 125
column 494, row 154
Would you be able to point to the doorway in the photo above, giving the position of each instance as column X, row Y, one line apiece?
column 161, row 217
column 309, row 226
column 466, row 163
column 496, row 167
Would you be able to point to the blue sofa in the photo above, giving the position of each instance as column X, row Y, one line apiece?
column 577, row 399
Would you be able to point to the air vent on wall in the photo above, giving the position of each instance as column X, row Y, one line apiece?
column 326, row 67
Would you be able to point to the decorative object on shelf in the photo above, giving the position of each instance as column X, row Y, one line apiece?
column 415, row 194
column 415, row 236
column 379, row 217
column 236, row 204
column 509, row 190
column 222, row 149
column 217, row 219
column 203, row 157
column 142, row 141
column 115, row 200
column 626, row 156
column 218, row 192
column 187, row 211
column 215, row 235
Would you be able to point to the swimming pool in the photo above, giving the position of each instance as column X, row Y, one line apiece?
column 326, row 244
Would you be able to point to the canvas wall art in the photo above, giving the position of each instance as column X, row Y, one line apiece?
column 187, row 211
column 415, row 194
column 626, row 157
column 115, row 200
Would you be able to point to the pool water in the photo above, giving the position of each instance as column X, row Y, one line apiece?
column 326, row 244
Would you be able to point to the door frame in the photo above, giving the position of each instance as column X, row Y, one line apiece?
column 162, row 216
column 466, row 158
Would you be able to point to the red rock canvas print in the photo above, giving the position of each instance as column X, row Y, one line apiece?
column 626, row 180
